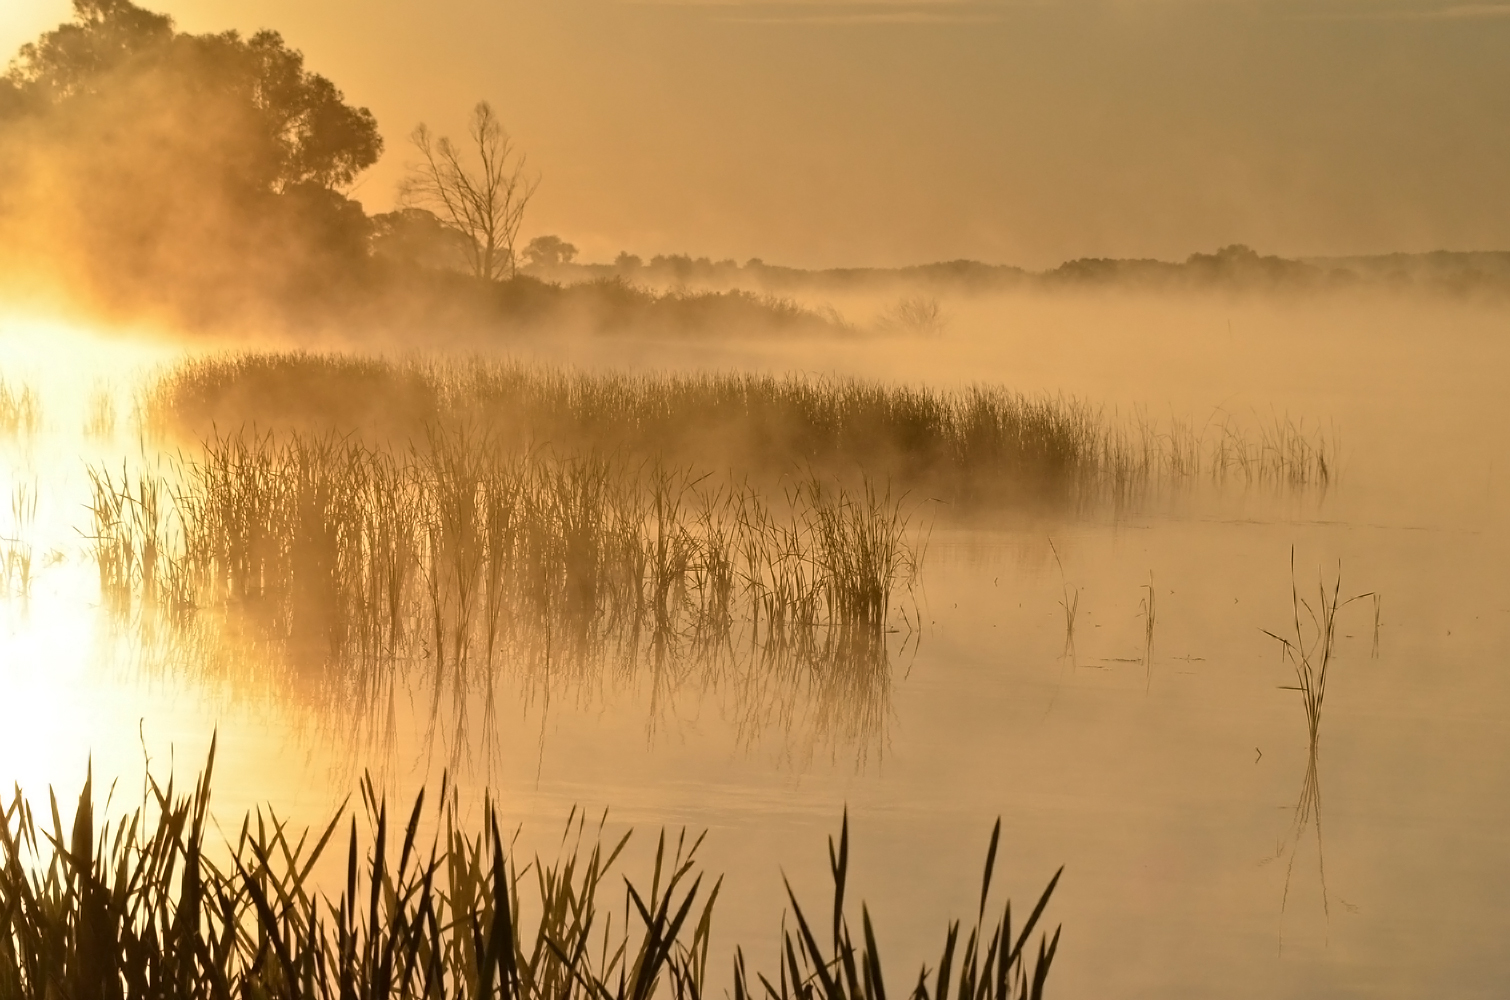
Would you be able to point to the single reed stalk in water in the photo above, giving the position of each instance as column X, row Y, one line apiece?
column 1146, row 610
column 1375, row 651
column 1070, row 602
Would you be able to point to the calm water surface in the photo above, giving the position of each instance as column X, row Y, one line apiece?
column 1166, row 784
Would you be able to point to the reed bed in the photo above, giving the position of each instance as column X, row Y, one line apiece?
column 100, row 413
column 151, row 908
column 16, row 545
column 20, row 410
column 362, row 568
column 978, row 445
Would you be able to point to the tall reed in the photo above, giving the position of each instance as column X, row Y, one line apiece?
column 151, row 907
column 993, row 966
column 1310, row 654
column 1310, row 649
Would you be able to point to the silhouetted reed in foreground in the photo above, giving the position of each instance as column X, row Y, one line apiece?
column 993, row 965
column 150, row 909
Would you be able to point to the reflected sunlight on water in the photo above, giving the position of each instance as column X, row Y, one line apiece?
column 68, row 701
column 1164, row 774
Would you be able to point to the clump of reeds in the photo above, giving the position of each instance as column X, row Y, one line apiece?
column 16, row 547
column 20, row 410
column 1309, row 651
column 979, row 445
column 456, row 559
column 130, row 536
column 100, row 415
column 915, row 315
column 153, row 908
column 993, row 966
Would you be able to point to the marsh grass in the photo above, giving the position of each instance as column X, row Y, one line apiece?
column 151, row 907
column 16, row 546
column 100, row 413
column 129, row 536
column 981, row 445
column 914, row 315
column 994, row 964
column 20, row 411
column 353, row 571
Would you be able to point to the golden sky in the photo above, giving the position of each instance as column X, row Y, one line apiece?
column 885, row 133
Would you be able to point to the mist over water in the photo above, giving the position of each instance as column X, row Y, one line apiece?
column 1166, row 779
column 1191, row 572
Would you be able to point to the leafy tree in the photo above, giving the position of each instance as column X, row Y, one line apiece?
column 296, row 124
column 146, row 161
column 549, row 251
column 416, row 237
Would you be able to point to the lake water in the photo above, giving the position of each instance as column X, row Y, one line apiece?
column 1166, row 782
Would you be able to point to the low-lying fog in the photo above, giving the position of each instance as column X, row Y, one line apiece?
column 1154, row 753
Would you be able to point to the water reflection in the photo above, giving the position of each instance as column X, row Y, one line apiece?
column 1307, row 816
column 816, row 689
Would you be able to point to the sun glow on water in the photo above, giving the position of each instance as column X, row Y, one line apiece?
column 46, row 647
column 64, row 704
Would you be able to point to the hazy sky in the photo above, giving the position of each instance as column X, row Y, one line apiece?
column 889, row 133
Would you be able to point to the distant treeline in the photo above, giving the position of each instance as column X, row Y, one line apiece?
column 1235, row 267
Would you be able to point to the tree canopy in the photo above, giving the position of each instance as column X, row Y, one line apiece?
column 294, row 124
column 138, row 159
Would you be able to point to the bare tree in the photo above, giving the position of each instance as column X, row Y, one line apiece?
column 485, row 204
